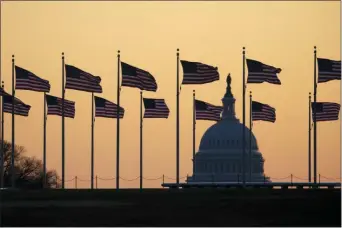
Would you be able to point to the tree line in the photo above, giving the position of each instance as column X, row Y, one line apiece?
column 29, row 173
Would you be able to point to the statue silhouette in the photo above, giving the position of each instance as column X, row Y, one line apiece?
column 229, row 89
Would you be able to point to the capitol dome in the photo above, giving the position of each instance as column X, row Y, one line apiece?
column 225, row 135
column 220, row 154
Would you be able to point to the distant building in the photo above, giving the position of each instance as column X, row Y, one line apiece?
column 220, row 152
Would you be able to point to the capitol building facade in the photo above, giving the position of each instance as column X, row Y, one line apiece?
column 220, row 151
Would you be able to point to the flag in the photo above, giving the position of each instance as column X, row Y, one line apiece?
column 263, row 112
column 20, row 108
column 325, row 111
column 26, row 80
column 137, row 78
column 54, row 105
column 3, row 92
column 198, row 73
column 206, row 111
column 328, row 70
column 155, row 108
column 259, row 73
column 105, row 108
column 80, row 80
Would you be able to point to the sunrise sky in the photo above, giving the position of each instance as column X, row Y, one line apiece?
column 281, row 34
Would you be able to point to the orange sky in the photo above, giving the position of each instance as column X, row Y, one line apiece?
column 281, row 34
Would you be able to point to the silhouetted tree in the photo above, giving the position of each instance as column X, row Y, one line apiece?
column 28, row 170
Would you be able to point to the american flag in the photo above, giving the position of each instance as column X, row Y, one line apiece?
column 263, row 112
column 325, row 111
column 20, row 108
column 78, row 79
column 137, row 78
column 105, row 108
column 155, row 108
column 3, row 92
column 259, row 73
column 26, row 80
column 198, row 73
column 206, row 111
column 54, row 105
column 328, row 70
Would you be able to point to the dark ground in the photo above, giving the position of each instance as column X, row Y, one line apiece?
column 162, row 207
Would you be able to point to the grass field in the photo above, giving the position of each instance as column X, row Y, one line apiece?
column 162, row 207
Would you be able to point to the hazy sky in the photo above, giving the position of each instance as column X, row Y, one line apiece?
column 281, row 34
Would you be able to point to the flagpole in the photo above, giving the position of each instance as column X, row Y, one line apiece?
column 177, row 123
column 2, row 116
column 194, row 134
column 141, row 142
column 250, row 136
column 243, row 117
column 118, row 127
column 1, row 112
column 13, row 135
column 44, row 143
column 309, row 146
column 63, row 141
column 314, row 119
column 2, row 148
column 2, row 137
column 92, row 141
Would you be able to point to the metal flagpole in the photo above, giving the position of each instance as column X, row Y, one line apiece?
column 194, row 134
column 314, row 119
column 309, row 146
column 1, row 113
column 63, row 141
column 2, row 143
column 250, row 136
column 1, row 152
column 141, row 142
column 118, row 127
column 92, row 141
column 13, row 135
column 177, row 123
column 3, row 139
column 2, row 149
column 243, row 118
column 44, row 143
